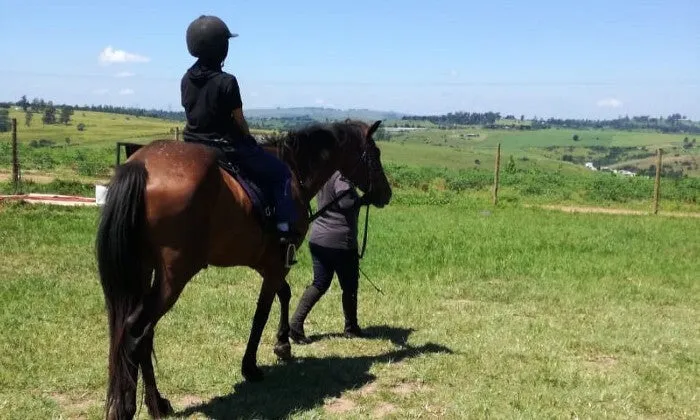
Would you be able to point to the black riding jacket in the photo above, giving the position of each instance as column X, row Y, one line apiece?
column 209, row 96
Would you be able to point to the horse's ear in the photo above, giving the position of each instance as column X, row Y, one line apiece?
column 373, row 128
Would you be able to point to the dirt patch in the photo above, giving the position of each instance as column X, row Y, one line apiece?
column 189, row 401
column 605, row 210
column 601, row 362
column 76, row 406
column 383, row 410
column 368, row 389
column 408, row 388
column 463, row 302
column 339, row 405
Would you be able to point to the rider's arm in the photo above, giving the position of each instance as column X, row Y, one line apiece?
column 233, row 93
column 240, row 120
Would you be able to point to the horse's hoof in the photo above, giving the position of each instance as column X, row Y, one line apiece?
column 283, row 351
column 252, row 373
column 162, row 409
column 165, row 408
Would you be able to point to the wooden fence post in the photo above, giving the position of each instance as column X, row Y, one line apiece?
column 15, row 157
column 496, row 175
column 177, row 133
column 657, row 181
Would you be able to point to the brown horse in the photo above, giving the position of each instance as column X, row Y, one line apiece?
column 171, row 211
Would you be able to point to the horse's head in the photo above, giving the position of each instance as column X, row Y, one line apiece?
column 316, row 151
column 360, row 160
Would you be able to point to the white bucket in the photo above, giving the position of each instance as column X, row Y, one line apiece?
column 100, row 194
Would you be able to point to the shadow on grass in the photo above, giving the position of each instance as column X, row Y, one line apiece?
column 397, row 336
column 306, row 382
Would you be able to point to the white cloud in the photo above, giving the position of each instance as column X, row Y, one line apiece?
column 102, row 91
column 454, row 73
column 320, row 101
column 123, row 74
column 126, row 91
column 610, row 103
column 109, row 55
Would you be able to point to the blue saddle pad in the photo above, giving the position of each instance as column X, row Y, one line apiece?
column 260, row 197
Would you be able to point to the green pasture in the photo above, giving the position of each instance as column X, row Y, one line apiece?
column 100, row 129
column 506, row 313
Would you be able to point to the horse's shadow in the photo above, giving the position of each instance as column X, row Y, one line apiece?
column 306, row 382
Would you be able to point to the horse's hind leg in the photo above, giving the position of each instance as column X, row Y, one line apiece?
column 158, row 406
column 162, row 297
column 283, row 348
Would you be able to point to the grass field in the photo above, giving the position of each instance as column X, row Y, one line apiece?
column 100, row 129
column 503, row 313
column 431, row 146
column 542, row 148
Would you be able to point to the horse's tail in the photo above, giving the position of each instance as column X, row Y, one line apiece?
column 122, row 272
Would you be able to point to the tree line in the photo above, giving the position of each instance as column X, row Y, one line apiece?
column 674, row 123
column 458, row 118
column 40, row 105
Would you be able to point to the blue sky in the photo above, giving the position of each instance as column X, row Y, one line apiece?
column 546, row 58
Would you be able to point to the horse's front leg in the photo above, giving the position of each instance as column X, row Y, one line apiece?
column 249, row 367
column 283, row 348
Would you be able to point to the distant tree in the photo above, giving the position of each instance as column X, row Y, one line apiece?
column 522, row 118
column 24, row 103
column 576, row 138
column 28, row 115
column 81, row 127
column 5, row 123
column 49, row 114
column 66, row 113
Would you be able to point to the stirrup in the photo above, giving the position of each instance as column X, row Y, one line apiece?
column 290, row 253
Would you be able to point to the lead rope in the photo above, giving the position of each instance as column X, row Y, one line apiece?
column 364, row 248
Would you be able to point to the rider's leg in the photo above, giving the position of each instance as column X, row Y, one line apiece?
column 275, row 174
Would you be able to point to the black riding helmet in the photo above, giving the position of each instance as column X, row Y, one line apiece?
column 207, row 38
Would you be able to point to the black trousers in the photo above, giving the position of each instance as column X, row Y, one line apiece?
column 329, row 261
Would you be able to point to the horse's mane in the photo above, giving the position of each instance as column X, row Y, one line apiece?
column 339, row 130
column 309, row 145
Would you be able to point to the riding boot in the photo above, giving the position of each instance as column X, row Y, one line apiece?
column 352, row 330
column 306, row 303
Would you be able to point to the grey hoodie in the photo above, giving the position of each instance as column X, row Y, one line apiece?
column 337, row 226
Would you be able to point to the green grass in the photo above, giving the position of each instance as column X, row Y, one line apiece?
column 542, row 148
column 100, row 129
column 503, row 313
